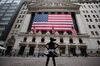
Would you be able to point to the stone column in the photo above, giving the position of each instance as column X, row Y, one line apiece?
column 36, row 51
column 26, row 51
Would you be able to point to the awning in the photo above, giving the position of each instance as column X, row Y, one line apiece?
column 2, row 48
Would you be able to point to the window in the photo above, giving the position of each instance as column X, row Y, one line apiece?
column 6, row 4
column 4, row 7
column 87, row 20
column 14, row 4
column 94, row 16
column 19, row 16
column 83, row 11
column 17, row 21
column 92, row 32
column 1, row 14
column 15, row 26
column 8, row 14
column 88, row 15
column 6, row 18
column 96, row 20
column 99, row 20
column 61, row 40
column 93, row 26
column 33, row 39
column 24, row 12
column 21, row 12
column 20, row 21
column 25, row 39
column 89, row 6
column 59, row 12
column 13, row 7
column 42, row 40
column 94, row 11
column 92, row 6
column 70, row 40
column 90, row 20
column 99, row 10
column 85, row 15
column 96, row 33
column 86, row 11
column 22, row 16
column 52, row 12
column 89, row 26
column 10, row 10
column 39, row 13
column 2, row 10
column 96, row 6
column 9, row 1
column 84, row 6
column 91, row 11
column 80, row 40
column 16, row 1
column 99, row 26
column 18, row 26
column 65, row 12
column 97, row 16
column 98, row 42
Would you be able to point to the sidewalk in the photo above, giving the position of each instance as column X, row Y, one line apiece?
column 60, row 61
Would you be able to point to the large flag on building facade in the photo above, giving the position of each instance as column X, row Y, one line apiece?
column 56, row 22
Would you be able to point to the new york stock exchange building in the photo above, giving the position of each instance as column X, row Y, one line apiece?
column 42, row 20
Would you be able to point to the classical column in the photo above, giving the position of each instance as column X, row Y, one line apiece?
column 26, row 51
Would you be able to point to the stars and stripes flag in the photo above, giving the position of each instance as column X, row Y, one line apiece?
column 56, row 22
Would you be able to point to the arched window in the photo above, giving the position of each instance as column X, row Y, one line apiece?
column 33, row 39
column 42, row 40
column 70, row 40
column 80, row 40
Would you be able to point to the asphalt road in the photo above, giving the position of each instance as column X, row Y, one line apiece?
column 60, row 61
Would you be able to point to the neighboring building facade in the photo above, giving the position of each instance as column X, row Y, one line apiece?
column 8, row 12
column 31, row 40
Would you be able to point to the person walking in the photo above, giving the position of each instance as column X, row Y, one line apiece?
column 51, row 46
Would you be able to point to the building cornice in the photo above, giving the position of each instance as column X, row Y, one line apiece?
column 53, row 6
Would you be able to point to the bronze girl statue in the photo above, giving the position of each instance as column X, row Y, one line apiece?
column 51, row 46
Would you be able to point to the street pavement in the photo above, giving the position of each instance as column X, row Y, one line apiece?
column 60, row 61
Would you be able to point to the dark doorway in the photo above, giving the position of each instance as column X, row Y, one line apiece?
column 31, row 51
column 22, row 48
column 8, row 51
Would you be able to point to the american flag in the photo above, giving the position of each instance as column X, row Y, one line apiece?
column 56, row 22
